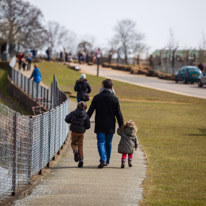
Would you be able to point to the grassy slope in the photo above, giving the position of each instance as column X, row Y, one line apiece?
column 6, row 99
column 173, row 135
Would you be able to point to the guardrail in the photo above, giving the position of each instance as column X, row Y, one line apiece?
column 28, row 143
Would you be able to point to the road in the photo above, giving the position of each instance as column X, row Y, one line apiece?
column 150, row 82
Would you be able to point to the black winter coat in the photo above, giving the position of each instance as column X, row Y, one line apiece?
column 82, row 88
column 107, row 108
column 79, row 120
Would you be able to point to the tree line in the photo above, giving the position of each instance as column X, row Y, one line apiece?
column 22, row 26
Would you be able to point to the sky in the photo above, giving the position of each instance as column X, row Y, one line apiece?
column 154, row 18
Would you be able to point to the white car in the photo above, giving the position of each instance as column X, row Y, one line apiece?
column 202, row 79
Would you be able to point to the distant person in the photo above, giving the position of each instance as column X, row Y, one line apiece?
column 79, row 124
column 61, row 56
column 24, row 64
column 82, row 88
column 201, row 67
column 66, row 57
column 29, row 61
column 70, row 57
column 107, row 108
column 48, row 53
column 19, row 59
column 36, row 75
column 34, row 53
column 87, row 58
column 98, row 58
column 128, row 142
column 80, row 57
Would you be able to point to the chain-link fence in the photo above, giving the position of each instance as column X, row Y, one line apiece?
column 28, row 143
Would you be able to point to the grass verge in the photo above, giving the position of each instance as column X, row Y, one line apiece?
column 172, row 130
column 5, row 98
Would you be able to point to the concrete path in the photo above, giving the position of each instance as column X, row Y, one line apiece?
column 68, row 185
column 150, row 82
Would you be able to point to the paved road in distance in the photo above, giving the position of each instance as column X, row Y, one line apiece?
column 149, row 82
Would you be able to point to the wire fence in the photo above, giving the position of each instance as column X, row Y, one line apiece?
column 28, row 143
column 48, row 98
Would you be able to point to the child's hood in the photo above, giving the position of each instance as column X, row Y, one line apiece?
column 129, row 131
column 80, row 113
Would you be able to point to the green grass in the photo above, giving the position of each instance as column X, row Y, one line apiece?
column 6, row 99
column 172, row 131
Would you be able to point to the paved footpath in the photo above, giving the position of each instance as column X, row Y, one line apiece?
column 67, row 184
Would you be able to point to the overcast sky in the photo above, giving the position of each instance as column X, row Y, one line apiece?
column 154, row 18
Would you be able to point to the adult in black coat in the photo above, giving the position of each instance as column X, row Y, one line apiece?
column 82, row 88
column 108, row 110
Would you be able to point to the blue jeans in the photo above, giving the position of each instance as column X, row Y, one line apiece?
column 104, row 145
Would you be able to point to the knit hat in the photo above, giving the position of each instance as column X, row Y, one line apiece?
column 82, row 105
column 83, row 76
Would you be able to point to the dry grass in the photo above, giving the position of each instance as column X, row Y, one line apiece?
column 172, row 131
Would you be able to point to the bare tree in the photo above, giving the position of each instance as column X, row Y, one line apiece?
column 126, row 39
column 69, row 42
column 202, row 49
column 60, row 38
column 172, row 48
column 55, row 34
column 20, row 23
column 85, row 46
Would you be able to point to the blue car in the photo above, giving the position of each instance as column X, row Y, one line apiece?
column 188, row 74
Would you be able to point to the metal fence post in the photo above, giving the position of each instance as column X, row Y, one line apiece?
column 14, row 153
column 24, row 83
column 49, row 138
column 41, row 142
column 32, row 90
column 30, row 140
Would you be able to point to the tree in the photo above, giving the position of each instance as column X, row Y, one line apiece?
column 202, row 50
column 126, row 39
column 85, row 46
column 172, row 48
column 55, row 34
column 69, row 42
column 20, row 23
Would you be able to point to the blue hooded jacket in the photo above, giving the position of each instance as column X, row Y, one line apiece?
column 36, row 75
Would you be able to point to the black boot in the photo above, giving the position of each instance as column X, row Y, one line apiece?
column 130, row 162
column 76, row 156
column 102, row 164
column 123, row 163
column 80, row 162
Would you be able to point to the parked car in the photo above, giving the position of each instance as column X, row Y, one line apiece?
column 188, row 74
column 202, row 79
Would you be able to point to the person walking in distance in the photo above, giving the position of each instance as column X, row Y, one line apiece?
column 82, row 88
column 107, row 108
column 98, row 57
column 79, row 123
column 19, row 58
column 128, row 142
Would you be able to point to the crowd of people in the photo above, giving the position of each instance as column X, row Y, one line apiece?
column 25, row 59
column 107, row 110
